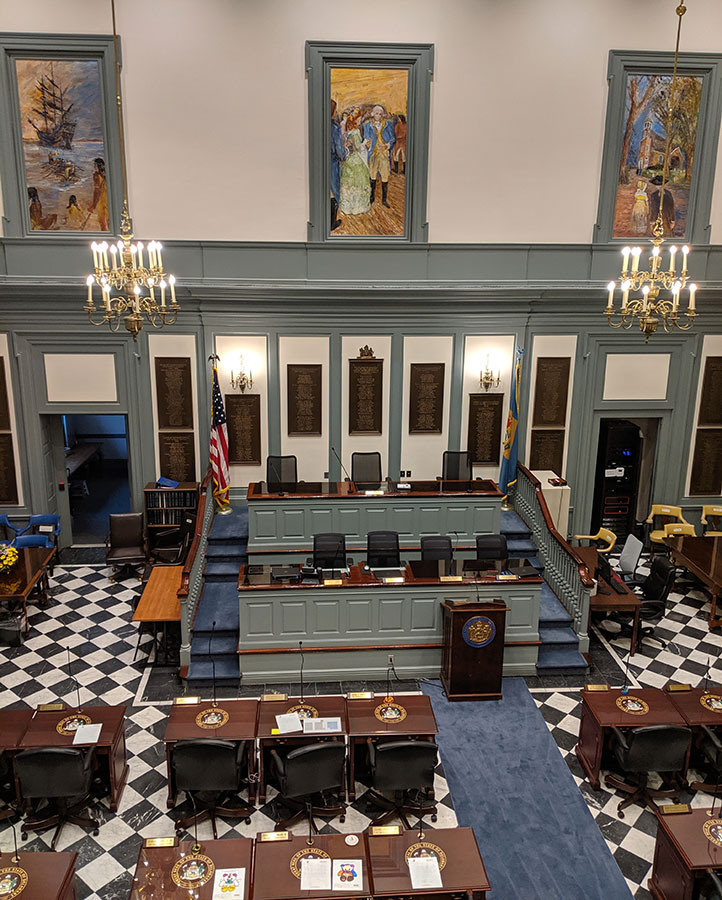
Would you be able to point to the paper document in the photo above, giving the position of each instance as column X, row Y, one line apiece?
column 315, row 874
column 314, row 726
column 424, row 872
column 87, row 734
column 288, row 722
column 229, row 883
column 347, row 875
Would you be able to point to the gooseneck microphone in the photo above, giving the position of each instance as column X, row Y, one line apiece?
column 73, row 678
column 300, row 650
column 213, row 661
column 345, row 471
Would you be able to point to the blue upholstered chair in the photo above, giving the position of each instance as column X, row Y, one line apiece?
column 8, row 531
column 47, row 525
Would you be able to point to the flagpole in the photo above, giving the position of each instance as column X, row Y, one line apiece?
column 507, row 473
column 220, row 494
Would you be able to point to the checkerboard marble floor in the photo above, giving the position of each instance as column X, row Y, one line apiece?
column 92, row 616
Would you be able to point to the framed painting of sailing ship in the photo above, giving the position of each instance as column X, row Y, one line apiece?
column 369, row 135
column 635, row 142
column 59, row 162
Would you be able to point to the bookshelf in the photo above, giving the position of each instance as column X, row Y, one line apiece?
column 164, row 507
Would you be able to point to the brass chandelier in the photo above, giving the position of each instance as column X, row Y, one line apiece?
column 126, row 271
column 648, row 310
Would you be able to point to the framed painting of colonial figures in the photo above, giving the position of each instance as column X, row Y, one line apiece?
column 369, row 135
column 58, row 141
column 636, row 139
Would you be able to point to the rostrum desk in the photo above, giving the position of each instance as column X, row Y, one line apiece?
column 282, row 519
column 47, row 876
column 702, row 557
column 349, row 628
column 683, row 853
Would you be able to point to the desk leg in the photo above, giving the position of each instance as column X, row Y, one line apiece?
column 251, row 773
column 170, row 802
column 635, row 632
column 589, row 747
column 352, row 769
column 261, row 774
column 714, row 622
column 118, row 769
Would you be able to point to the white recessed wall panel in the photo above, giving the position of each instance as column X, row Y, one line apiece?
column 365, row 443
column 499, row 348
column 712, row 346
column 177, row 345
column 253, row 348
column 5, row 355
column 310, row 450
column 422, row 452
column 80, row 377
column 636, row 376
column 546, row 345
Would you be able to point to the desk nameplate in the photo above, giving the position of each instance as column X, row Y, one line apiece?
column 160, row 842
column 267, row 836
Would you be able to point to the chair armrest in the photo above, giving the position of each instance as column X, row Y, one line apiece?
column 107, row 543
column 620, row 736
column 712, row 736
column 649, row 520
column 716, row 881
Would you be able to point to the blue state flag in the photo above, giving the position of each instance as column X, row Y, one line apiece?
column 507, row 476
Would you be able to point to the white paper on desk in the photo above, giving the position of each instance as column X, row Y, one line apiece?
column 424, row 872
column 347, row 875
column 229, row 883
column 288, row 722
column 87, row 734
column 315, row 874
column 329, row 724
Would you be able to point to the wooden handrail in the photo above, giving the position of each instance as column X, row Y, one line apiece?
column 195, row 543
column 587, row 580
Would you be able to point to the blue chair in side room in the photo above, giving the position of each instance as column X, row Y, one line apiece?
column 33, row 540
column 46, row 524
column 8, row 531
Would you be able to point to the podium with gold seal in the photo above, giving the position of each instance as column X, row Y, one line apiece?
column 473, row 650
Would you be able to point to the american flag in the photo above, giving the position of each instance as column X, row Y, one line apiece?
column 219, row 445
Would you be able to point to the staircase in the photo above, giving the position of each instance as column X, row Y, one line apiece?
column 559, row 651
column 226, row 552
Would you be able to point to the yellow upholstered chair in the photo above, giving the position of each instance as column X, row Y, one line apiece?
column 661, row 515
column 676, row 528
column 604, row 539
column 712, row 521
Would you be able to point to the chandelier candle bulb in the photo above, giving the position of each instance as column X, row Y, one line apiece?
column 672, row 254
column 610, row 301
column 114, row 256
column 636, row 251
column 625, row 295
column 89, row 281
column 625, row 258
column 171, row 281
column 140, row 254
column 645, row 297
column 692, row 291
column 162, row 294
column 94, row 248
column 685, row 254
column 158, row 260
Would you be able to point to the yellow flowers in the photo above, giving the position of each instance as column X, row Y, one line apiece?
column 8, row 558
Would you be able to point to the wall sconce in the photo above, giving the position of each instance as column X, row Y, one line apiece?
column 243, row 380
column 488, row 378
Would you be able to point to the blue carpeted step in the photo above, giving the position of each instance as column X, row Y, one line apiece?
column 222, row 642
column 226, row 552
column 558, row 634
column 218, row 603
column 513, row 524
column 227, row 671
column 222, row 571
column 233, row 527
column 559, row 660
column 521, row 547
column 537, row 563
column 551, row 610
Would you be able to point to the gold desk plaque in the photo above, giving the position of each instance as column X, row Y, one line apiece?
column 274, row 697
column 385, row 829
column 186, row 701
column 71, row 723
column 394, row 579
column 596, row 687
column 332, row 582
column 712, row 702
column 374, row 493
column 448, row 579
column 674, row 688
column 361, row 695
column 265, row 836
column 502, row 577
column 49, row 707
column 13, row 881
column 160, row 842
column 675, row 809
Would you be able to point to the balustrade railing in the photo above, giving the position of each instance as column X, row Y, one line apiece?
column 564, row 571
column 192, row 578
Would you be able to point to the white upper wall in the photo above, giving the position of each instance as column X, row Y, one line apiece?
column 215, row 101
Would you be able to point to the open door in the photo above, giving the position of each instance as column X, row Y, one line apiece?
column 55, row 476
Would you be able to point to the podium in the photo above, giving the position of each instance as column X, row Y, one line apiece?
column 473, row 650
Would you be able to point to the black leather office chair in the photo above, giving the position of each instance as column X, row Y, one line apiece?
column 305, row 773
column 491, row 546
column 366, row 467
column 126, row 548
column 436, row 546
column 211, row 771
column 456, row 465
column 382, row 549
column 711, row 888
column 62, row 777
column 6, row 789
column 170, row 547
column 709, row 746
column 655, row 590
column 405, row 769
column 329, row 551
column 281, row 470
column 651, row 748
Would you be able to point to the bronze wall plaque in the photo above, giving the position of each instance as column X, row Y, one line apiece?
column 552, row 388
column 4, row 405
column 177, row 455
column 547, row 450
column 365, row 396
column 304, row 399
column 706, row 477
column 710, row 407
column 426, row 398
column 8, row 481
column 243, row 412
column 173, row 391
column 484, row 434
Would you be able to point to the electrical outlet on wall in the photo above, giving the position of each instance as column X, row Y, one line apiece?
column 325, row 474
column 391, row 659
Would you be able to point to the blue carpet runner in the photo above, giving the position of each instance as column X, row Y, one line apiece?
column 509, row 783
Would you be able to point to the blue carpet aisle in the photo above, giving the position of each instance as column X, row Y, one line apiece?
column 510, row 783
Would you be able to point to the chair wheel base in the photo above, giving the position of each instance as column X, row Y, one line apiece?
column 620, row 814
column 247, row 820
column 434, row 818
column 342, row 818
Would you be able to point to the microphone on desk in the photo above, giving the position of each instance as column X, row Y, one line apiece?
column 625, row 686
column 196, row 847
column 345, row 471
column 213, row 662
column 73, row 678
column 339, row 544
column 452, row 567
column 300, row 650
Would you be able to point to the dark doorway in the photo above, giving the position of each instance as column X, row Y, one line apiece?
column 96, row 449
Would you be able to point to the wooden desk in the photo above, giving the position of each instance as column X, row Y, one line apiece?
column 600, row 711
column 323, row 707
column 159, row 604
column 154, row 873
column 277, row 873
column 194, row 721
column 694, row 712
column 110, row 748
column 612, row 601
column 80, row 455
column 29, row 572
column 462, row 873
column 683, row 854
column 702, row 556
column 363, row 722
column 50, row 876
column 13, row 725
